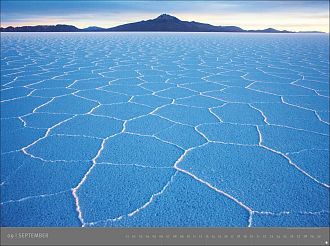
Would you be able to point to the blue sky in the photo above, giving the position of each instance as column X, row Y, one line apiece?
column 290, row 15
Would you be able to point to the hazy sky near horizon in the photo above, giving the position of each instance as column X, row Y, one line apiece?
column 289, row 15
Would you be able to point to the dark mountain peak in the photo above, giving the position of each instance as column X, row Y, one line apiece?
column 166, row 17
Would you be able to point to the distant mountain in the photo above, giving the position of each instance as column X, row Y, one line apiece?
column 40, row 28
column 163, row 23
column 93, row 29
column 310, row 32
column 270, row 30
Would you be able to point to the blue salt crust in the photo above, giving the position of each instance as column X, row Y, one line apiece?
column 164, row 130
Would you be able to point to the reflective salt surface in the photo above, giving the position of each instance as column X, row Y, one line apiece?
column 164, row 129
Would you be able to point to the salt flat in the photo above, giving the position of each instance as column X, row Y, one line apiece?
column 164, row 129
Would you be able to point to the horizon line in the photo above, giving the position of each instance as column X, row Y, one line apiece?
column 83, row 28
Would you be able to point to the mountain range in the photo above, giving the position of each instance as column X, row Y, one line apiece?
column 163, row 23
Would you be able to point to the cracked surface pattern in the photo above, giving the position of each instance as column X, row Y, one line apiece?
column 164, row 129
